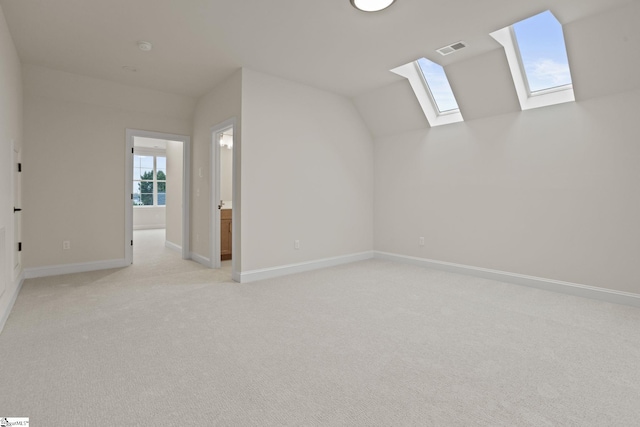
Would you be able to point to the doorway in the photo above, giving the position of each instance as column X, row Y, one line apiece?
column 157, row 189
column 224, row 201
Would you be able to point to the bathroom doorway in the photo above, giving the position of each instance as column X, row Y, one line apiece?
column 224, row 248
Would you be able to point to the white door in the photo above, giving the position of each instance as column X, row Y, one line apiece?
column 17, row 214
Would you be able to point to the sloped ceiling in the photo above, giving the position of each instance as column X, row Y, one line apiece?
column 602, row 56
column 198, row 43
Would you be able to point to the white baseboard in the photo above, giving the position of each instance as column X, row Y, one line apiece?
column 149, row 227
column 173, row 246
column 283, row 270
column 5, row 316
column 200, row 259
column 575, row 289
column 56, row 270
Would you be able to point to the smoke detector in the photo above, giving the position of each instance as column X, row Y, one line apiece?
column 447, row 50
column 145, row 46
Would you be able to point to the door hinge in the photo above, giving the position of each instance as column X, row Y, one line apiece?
column 19, row 167
column 132, row 243
column 19, row 246
column 131, row 150
column 131, row 196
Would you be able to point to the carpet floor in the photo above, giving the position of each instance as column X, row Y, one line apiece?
column 169, row 342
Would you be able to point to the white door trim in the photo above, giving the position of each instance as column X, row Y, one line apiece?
column 214, row 212
column 16, row 218
column 186, row 184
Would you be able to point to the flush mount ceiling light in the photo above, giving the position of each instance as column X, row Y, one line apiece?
column 371, row 5
column 144, row 46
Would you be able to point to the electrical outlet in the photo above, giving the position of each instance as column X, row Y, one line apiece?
column 66, row 245
column 421, row 241
column 296, row 244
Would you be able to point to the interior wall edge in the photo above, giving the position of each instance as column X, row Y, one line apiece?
column 574, row 289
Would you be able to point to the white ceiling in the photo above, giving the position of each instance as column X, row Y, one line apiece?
column 198, row 43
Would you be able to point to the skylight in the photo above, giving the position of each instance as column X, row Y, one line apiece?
column 537, row 58
column 431, row 86
column 543, row 52
column 438, row 85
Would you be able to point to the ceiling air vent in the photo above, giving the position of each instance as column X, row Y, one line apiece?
column 451, row 48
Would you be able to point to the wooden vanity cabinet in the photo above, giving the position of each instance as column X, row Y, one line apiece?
column 225, row 234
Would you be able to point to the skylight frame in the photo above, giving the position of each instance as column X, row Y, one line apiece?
column 421, row 88
column 425, row 81
column 529, row 99
column 526, row 76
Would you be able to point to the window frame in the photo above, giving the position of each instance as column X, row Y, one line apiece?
column 149, row 152
column 420, row 86
column 430, row 92
column 528, row 99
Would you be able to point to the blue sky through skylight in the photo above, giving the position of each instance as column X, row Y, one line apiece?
column 438, row 85
column 543, row 52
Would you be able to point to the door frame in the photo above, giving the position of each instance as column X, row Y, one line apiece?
column 16, row 191
column 186, row 183
column 214, row 212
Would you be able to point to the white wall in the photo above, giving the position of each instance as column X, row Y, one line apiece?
column 551, row 192
column 399, row 112
column 10, row 130
column 603, row 52
column 226, row 175
column 307, row 174
column 75, row 159
column 149, row 217
column 174, row 193
column 219, row 105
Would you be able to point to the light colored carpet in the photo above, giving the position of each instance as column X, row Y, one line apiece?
column 168, row 342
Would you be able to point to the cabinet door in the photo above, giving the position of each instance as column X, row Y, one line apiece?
column 225, row 234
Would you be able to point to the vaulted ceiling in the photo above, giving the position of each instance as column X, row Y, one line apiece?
column 198, row 43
